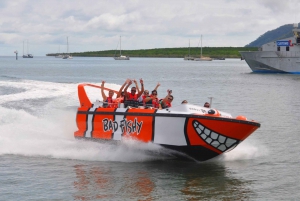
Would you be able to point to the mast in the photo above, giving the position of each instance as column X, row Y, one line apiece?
column 23, row 47
column 67, row 46
column 120, row 46
column 201, row 47
column 189, row 47
column 27, row 46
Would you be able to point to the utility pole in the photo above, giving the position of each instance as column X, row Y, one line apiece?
column 16, row 52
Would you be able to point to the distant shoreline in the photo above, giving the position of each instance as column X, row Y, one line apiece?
column 213, row 52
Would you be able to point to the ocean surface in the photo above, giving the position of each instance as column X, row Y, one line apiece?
column 41, row 160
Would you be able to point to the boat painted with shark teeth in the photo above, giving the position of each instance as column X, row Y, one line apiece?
column 281, row 56
column 198, row 133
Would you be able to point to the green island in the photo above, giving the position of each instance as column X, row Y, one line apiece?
column 213, row 52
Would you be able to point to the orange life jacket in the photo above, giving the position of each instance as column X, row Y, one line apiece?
column 153, row 102
column 111, row 103
column 132, row 97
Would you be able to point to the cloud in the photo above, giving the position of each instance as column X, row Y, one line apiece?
column 97, row 24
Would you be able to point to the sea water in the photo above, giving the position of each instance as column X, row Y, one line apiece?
column 41, row 160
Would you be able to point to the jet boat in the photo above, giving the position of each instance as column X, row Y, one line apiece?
column 198, row 132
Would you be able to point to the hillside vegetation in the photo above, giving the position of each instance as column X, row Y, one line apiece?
column 213, row 52
column 281, row 32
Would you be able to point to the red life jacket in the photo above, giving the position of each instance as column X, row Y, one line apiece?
column 154, row 102
column 164, row 104
column 169, row 104
column 111, row 103
column 122, row 99
column 119, row 100
column 132, row 97
column 109, row 100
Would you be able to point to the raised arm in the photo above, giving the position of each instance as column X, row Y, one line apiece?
column 102, row 92
column 125, row 90
column 136, row 86
column 122, row 87
column 158, row 84
column 142, row 90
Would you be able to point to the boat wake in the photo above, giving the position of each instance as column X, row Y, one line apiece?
column 28, row 135
column 245, row 151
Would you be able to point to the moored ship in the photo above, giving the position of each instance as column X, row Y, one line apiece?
column 281, row 56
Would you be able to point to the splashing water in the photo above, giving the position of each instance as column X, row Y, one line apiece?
column 39, row 127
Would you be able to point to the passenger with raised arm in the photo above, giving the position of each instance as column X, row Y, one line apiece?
column 121, row 95
column 109, row 100
column 136, row 86
column 133, row 95
column 145, row 95
column 166, row 102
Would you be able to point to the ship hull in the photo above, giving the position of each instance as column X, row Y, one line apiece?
column 272, row 61
column 122, row 58
column 27, row 56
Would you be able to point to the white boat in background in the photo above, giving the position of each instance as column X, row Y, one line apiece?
column 189, row 56
column 59, row 55
column 202, row 58
column 281, row 56
column 67, row 56
column 26, row 55
column 121, row 57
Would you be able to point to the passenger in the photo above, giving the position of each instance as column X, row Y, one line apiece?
column 133, row 95
column 121, row 95
column 206, row 104
column 109, row 100
column 152, row 100
column 166, row 102
column 136, row 86
column 146, row 94
column 184, row 102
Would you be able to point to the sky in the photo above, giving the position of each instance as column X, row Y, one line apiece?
column 95, row 25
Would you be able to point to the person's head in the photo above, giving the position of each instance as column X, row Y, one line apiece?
column 146, row 93
column 133, row 90
column 170, row 98
column 122, row 94
column 154, row 93
column 110, row 93
column 184, row 102
column 206, row 104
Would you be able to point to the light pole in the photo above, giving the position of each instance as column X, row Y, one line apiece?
column 16, row 52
